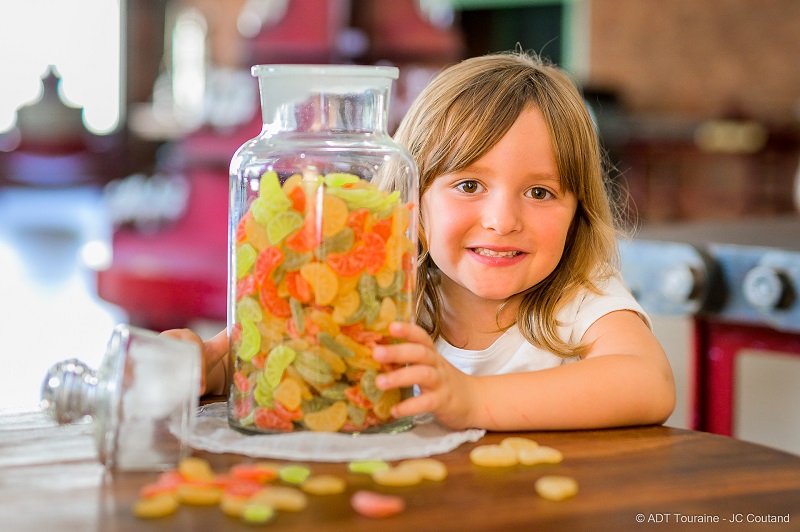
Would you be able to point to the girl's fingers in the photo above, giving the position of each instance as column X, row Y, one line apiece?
column 410, row 332
column 406, row 353
column 406, row 377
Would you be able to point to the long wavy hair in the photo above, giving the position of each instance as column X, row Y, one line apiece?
column 459, row 117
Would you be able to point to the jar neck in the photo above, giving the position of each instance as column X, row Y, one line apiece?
column 326, row 99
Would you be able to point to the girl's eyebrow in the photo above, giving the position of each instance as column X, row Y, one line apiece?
column 483, row 170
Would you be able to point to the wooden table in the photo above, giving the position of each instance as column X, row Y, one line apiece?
column 50, row 480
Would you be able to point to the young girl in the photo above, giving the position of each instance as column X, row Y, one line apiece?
column 523, row 321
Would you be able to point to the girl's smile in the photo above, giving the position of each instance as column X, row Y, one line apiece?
column 499, row 226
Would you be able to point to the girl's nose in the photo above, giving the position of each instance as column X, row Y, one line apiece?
column 501, row 215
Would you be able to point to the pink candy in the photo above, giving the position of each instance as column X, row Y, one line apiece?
column 372, row 504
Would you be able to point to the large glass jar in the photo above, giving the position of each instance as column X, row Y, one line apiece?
column 322, row 252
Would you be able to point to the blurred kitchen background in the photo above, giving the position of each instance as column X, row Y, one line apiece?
column 118, row 119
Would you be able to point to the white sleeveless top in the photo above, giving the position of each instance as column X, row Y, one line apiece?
column 512, row 353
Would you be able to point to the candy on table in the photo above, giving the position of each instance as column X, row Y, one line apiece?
column 372, row 504
column 282, row 498
column 518, row 443
column 427, row 468
column 556, row 487
column 367, row 466
column 322, row 264
column 257, row 513
column 156, row 506
column 324, row 485
column 294, row 473
column 397, row 476
column 493, row 455
column 539, row 455
column 199, row 494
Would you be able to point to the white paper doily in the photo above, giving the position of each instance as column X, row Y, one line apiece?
column 426, row 438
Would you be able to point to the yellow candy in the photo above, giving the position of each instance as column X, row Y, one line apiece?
column 288, row 393
column 345, row 306
column 539, row 455
column 157, row 506
column 325, row 321
column 386, row 315
column 427, row 468
column 556, row 487
column 324, row 485
column 329, row 419
column 305, row 391
column 336, row 362
column 334, row 215
column 493, row 456
column 397, row 476
column 232, row 505
column 357, row 348
column 196, row 495
column 196, row 469
column 291, row 183
column 518, row 443
column 323, row 281
column 385, row 276
column 400, row 219
column 383, row 406
column 281, row 498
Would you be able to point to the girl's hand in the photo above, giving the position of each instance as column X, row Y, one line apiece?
column 214, row 373
column 445, row 391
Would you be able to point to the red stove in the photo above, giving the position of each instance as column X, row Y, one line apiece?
column 738, row 281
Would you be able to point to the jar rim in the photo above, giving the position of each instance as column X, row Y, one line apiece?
column 344, row 71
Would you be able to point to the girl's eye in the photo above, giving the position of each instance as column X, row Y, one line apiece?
column 540, row 193
column 470, row 187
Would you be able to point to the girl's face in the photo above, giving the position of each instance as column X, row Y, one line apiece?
column 499, row 226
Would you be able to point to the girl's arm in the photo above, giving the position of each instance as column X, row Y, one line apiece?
column 624, row 379
column 214, row 353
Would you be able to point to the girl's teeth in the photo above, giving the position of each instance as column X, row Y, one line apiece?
column 489, row 253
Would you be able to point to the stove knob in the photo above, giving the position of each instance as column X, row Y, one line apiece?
column 764, row 287
column 680, row 283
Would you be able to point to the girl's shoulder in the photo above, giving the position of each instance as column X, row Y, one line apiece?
column 607, row 294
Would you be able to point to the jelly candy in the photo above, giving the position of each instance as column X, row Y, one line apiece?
column 266, row 418
column 288, row 394
column 251, row 341
column 372, row 504
column 330, row 419
column 277, row 361
column 257, row 513
column 248, row 309
column 282, row 225
column 282, row 498
column 493, row 456
column 556, row 487
column 199, row 495
column 245, row 258
column 258, row 472
column 397, row 477
column 324, row 485
column 294, row 474
column 266, row 262
column 323, row 281
column 368, row 466
column 518, row 443
column 539, row 455
column 428, row 468
column 157, row 506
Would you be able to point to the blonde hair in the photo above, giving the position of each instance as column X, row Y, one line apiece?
column 459, row 117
